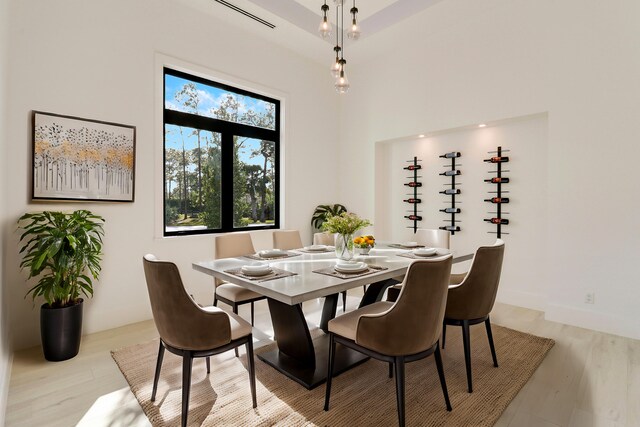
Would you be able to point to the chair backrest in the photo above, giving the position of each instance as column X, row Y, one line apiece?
column 324, row 239
column 433, row 238
column 414, row 323
column 177, row 317
column 476, row 294
column 287, row 239
column 232, row 245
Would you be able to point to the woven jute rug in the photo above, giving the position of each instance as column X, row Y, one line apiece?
column 363, row 396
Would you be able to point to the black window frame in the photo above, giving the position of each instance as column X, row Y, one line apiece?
column 227, row 130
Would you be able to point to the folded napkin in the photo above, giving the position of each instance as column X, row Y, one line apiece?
column 330, row 271
column 276, row 273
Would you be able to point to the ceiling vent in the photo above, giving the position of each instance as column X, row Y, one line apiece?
column 245, row 13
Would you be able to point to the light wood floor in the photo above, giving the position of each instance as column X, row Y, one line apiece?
column 588, row 379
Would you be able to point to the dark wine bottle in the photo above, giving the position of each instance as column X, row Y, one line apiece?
column 498, row 221
column 451, row 191
column 450, row 228
column 450, row 155
column 414, row 217
column 451, row 172
column 502, row 159
column 450, row 210
column 414, row 184
column 412, row 200
column 497, row 180
column 413, row 167
column 497, row 200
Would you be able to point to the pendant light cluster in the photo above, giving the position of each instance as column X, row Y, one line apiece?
column 338, row 66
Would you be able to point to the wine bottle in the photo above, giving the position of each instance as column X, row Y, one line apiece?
column 450, row 155
column 414, row 184
column 498, row 221
column 497, row 180
column 413, row 167
column 451, row 191
column 502, row 159
column 451, row 172
column 497, row 200
column 413, row 200
column 450, row 228
column 414, row 217
column 450, row 210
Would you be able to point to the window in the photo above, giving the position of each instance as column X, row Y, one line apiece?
column 221, row 150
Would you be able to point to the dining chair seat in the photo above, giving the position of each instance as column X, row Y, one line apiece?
column 347, row 324
column 236, row 293
column 457, row 278
column 239, row 326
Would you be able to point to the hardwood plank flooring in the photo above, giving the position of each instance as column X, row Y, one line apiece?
column 588, row 379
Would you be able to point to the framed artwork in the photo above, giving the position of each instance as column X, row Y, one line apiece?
column 82, row 159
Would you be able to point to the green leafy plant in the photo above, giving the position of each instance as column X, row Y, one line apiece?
column 65, row 250
column 345, row 223
column 322, row 212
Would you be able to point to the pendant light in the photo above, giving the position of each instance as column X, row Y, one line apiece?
column 325, row 28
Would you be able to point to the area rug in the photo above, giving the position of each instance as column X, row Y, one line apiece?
column 362, row 396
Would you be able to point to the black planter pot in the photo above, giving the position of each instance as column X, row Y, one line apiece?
column 61, row 330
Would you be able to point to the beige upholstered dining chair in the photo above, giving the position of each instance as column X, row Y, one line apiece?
column 433, row 238
column 229, row 246
column 287, row 239
column 324, row 239
column 399, row 332
column 471, row 298
column 191, row 331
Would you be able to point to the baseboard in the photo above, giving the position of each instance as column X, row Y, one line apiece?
column 589, row 319
column 522, row 299
column 4, row 388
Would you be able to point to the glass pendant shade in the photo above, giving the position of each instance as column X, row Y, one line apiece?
column 354, row 31
column 342, row 83
column 325, row 28
column 335, row 69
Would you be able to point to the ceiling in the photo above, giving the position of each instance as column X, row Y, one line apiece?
column 366, row 8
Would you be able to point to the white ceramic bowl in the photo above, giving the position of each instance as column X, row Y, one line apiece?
column 410, row 244
column 350, row 267
column 316, row 248
column 271, row 253
column 256, row 270
column 425, row 251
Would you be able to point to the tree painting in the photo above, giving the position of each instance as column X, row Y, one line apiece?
column 82, row 159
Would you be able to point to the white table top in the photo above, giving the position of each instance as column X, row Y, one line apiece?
column 307, row 285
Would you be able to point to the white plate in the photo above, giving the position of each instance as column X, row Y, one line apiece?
column 250, row 270
column 409, row 244
column 425, row 252
column 357, row 268
column 315, row 248
column 271, row 253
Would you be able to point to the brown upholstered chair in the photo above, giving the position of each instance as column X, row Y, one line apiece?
column 229, row 246
column 189, row 330
column 399, row 332
column 287, row 239
column 471, row 299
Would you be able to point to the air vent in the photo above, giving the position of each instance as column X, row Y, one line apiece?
column 245, row 13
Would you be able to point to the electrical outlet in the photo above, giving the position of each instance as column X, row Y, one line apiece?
column 589, row 298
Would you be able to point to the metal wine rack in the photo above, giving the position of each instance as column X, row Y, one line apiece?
column 497, row 197
column 452, row 209
column 413, row 199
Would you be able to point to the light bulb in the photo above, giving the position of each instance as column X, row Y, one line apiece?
column 335, row 69
column 325, row 28
column 342, row 83
column 354, row 32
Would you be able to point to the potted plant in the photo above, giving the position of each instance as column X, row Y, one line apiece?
column 322, row 212
column 64, row 251
column 344, row 225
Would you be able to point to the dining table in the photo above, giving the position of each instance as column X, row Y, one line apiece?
column 310, row 275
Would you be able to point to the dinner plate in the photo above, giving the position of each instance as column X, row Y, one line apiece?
column 256, row 270
column 271, row 253
column 410, row 244
column 351, row 268
column 425, row 252
column 316, row 248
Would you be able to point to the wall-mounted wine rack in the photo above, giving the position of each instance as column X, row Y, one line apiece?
column 452, row 210
column 498, row 198
column 413, row 198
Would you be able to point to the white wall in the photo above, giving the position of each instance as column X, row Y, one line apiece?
column 577, row 60
column 5, row 351
column 100, row 60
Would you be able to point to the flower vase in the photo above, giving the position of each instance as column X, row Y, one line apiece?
column 344, row 246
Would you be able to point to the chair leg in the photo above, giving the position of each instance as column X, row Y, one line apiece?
column 332, row 355
column 235, row 311
column 467, row 352
column 399, row 365
column 344, row 301
column 390, row 369
column 443, row 383
column 215, row 300
column 487, row 323
column 252, row 370
column 364, row 288
column 156, row 377
column 187, row 364
column 252, row 313
column 208, row 359
column 444, row 334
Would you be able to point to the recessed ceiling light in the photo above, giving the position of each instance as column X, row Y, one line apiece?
column 482, row 125
column 421, row 136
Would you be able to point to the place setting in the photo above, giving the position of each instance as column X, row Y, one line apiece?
column 424, row 253
column 350, row 269
column 316, row 249
column 406, row 245
column 259, row 272
column 271, row 254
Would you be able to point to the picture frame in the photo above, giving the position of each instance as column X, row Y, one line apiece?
column 78, row 159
